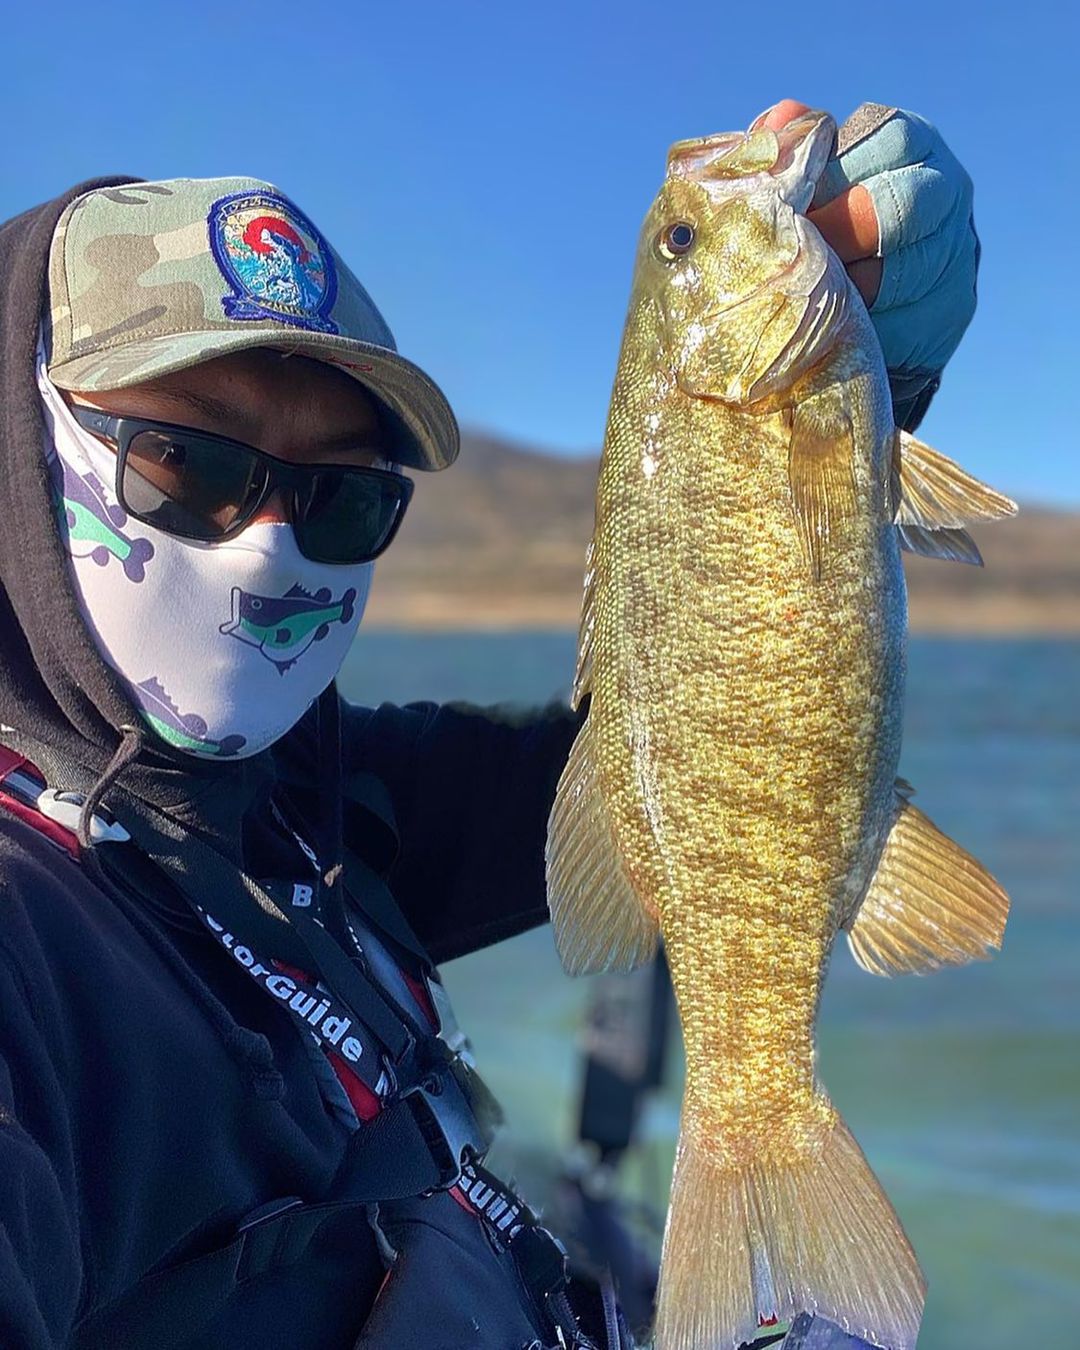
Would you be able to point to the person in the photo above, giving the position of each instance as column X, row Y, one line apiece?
column 234, row 1107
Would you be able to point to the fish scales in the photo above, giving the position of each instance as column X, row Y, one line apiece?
column 733, row 788
column 756, row 715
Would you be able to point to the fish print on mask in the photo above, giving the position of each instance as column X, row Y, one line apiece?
column 91, row 527
column 186, row 731
column 284, row 627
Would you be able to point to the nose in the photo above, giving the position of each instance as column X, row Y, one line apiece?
column 274, row 511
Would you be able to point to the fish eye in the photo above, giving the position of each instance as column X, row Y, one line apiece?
column 674, row 240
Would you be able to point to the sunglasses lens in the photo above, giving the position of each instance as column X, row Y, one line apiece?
column 200, row 487
column 349, row 517
column 188, row 484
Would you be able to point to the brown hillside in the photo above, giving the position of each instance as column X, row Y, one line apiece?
column 499, row 541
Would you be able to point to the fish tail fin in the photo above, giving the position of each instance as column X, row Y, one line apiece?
column 802, row 1229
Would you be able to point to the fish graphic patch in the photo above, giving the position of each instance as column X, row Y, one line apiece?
column 277, row 264
column 187, row 731
column 284, row 627
column 92, row 528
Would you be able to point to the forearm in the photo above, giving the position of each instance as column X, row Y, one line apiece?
column 472, row 789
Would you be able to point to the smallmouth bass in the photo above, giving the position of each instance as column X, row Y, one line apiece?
column 734, row 788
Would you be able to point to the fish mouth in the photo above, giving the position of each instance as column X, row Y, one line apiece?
column 724, row 154
column 794, row 157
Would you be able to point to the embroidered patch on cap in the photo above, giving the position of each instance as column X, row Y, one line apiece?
column 276, row 262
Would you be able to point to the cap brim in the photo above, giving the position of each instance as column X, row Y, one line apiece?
column 425, row 431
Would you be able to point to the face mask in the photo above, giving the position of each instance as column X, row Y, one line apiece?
column 222, row 646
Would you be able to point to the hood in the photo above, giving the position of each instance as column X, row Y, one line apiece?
column 55, row 689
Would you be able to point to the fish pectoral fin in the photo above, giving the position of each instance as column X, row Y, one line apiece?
column 936, row 499
column 599, row 921
column 930, row 904
column 821, row 472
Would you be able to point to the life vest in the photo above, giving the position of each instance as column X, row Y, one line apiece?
column 416, row 1151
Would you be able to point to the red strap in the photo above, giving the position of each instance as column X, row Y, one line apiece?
column 51, row 829
column 55, row 833
column 364, row 1102
column 9, row 761
column 419, row 992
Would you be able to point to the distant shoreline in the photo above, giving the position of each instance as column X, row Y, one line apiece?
column 499, row 545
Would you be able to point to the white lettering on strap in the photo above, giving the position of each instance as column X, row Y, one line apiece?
column 334, row 1028
column 281, row 986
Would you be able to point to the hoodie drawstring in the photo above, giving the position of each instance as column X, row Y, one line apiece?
column 132, row 741
column 330, row 842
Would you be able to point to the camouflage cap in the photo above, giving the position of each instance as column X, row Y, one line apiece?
column 150, row 278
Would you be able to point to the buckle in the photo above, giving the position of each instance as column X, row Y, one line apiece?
column 455, row 1111
column 449, row 1031
column 541, row 1258
column 21, row 779
column 66, row 807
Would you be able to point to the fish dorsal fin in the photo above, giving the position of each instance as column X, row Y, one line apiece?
column 599, row 922
column 583, row 672
column 935, row 499
column 930, row 904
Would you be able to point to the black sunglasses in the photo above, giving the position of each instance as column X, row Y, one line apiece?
column 200, row 486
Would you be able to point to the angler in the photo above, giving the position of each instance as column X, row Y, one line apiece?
column 235, row 1109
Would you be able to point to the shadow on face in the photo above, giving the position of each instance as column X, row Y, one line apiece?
column 297, row 409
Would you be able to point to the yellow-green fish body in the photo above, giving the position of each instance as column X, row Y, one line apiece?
column 734, row 786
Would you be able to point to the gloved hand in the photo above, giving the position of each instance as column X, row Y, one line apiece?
column 895, row 204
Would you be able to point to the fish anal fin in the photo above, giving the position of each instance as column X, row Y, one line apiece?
column 821, row 472
column 930, row 904
column 937, row 498
column 599, row 921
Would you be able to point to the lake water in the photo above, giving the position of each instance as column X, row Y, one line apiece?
column 963, row 1087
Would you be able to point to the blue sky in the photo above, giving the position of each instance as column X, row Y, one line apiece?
column 484, row 168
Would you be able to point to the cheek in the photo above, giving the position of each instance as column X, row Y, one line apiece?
column 686, row 299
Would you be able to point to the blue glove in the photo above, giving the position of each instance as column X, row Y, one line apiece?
column 928, row 246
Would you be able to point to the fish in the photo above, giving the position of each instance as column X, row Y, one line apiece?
column 188, row 731
column 733, row 788
column 92, row 526
column 284, row 627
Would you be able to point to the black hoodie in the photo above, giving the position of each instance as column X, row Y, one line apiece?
column 151, row 1095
